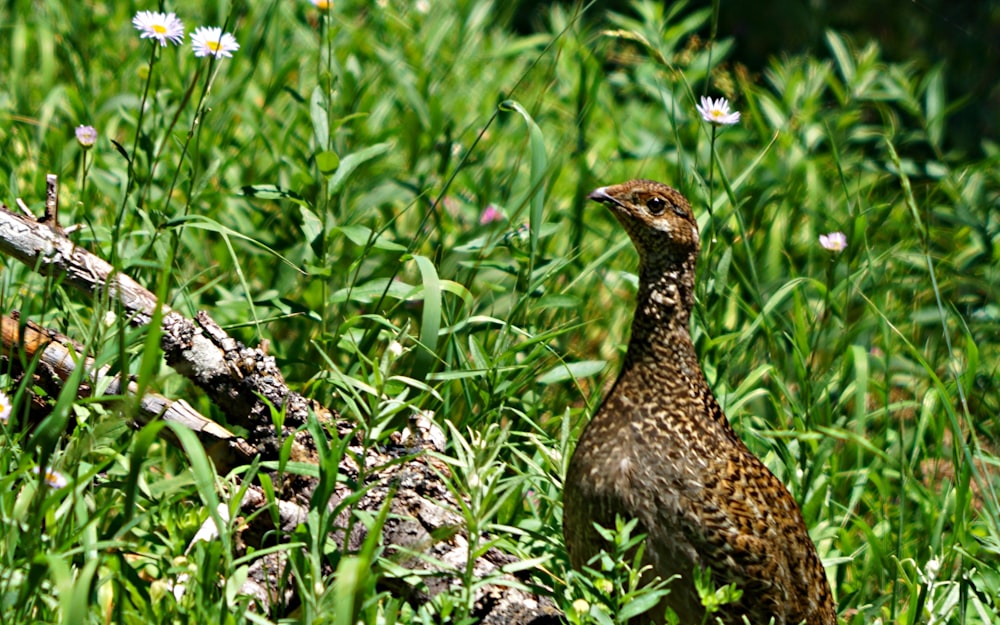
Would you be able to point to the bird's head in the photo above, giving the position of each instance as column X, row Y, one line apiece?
column 657, row 218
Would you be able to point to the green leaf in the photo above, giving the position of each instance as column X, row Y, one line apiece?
column 935, row 111
column 843, row 57
column 598, row 614
column 372, row 290
column 204, row 477
column 572, row 371
column 559, row 301
column 272, row 192
column 430, row 322
column 639, row 605
column 312, row 226
column 352, row 572
column 539, row 163
column 352, row 161
column 360, row 235
column 203, row 223
column 320, row 119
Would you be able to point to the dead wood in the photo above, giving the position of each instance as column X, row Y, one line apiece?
column 424, row 531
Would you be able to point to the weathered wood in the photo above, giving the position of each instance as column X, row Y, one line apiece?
column 59, row 356
column 424, row 530
column 243, row 382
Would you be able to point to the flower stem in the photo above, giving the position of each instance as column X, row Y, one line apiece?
column 116, row 232
column 711, row 172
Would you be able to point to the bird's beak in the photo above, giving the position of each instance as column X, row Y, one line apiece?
column 600, row 195
column 603, row 196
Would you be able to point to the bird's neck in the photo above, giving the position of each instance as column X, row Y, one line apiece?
column 661, row 356
column 661, row 335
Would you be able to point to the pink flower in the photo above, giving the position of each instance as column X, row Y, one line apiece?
column 491, row 214
column 87, row 136
column 835, row 241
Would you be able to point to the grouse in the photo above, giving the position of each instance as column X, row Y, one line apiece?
column 660, row 450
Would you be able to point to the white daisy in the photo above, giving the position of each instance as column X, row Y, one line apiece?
column 54, row 479
column 212, row 41
column 5, row 408
column 322, row 4
column 717, row 112
column 162, row 27
column 395, row 349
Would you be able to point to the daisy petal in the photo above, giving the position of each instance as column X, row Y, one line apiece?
column 211, row 41
column 717, row 112
column 161, row 27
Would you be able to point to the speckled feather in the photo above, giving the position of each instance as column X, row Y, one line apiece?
column 661, row 450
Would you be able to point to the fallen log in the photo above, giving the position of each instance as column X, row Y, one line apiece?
column 404, row 481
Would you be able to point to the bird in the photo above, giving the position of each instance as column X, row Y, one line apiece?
column 660, row 450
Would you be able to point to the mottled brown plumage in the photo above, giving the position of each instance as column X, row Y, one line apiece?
column 661, row 450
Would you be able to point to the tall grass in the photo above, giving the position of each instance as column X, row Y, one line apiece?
column 327, row 194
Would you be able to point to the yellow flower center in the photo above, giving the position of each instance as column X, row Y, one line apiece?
column 214, row 45
column 160, row 29
column 323, row 4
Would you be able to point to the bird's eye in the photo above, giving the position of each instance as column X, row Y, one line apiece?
column 656, row 205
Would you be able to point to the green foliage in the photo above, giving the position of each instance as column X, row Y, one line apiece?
column 324, row 189
column 714, row 598
column 615, row 584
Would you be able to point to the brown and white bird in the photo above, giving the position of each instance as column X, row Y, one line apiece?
column 660, row 450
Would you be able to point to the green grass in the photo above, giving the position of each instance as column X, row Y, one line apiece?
column 328, row 200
